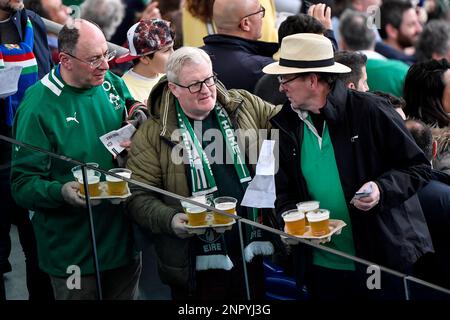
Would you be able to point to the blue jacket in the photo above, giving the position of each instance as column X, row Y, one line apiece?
column 41, row 50
column 43, row 59
column 238, row 62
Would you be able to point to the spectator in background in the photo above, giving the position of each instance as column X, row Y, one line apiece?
column 427, row 96
column 151, row 44
column 134, row 11
column 196, row 13
column 236, row 54
column 382, row 74
column 427, row 92
column 107, row 14
column 22, row 43
column 435, row 202
column 398, row 103
column 55, row 11
column 400, row 30
column 434, row 41
column 357, row 78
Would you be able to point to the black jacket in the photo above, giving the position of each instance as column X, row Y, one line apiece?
column 370, row 143
column 238, row 62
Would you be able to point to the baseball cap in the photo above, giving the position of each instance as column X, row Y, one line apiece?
column 146, row 37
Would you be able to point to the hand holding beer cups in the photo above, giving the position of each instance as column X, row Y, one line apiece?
column 178, row 225
column 368, row 200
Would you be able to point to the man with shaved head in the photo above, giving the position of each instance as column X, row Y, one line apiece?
column 237, row 55
column 66, row 113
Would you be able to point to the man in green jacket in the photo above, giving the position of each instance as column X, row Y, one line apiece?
column 66, row 113
column 188, row 109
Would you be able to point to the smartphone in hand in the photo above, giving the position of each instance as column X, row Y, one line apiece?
column 363, row 193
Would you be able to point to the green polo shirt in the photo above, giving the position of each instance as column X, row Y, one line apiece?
column 319, row 168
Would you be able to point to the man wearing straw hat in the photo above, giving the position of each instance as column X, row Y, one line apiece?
column 335, row 142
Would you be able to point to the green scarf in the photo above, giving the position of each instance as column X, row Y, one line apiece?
column 211, row 252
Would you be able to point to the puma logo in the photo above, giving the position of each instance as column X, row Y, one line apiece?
column 74, row 118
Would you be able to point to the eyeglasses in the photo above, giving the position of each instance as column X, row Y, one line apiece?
column 283, row 82
column 197, row 87
column 96, row 62
column 262, row 10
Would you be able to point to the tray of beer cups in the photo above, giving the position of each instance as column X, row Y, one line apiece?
column 314, row 225
column 199, row 219
column 113, row 189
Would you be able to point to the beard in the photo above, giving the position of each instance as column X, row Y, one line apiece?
column 11, row 6
column 405, row 41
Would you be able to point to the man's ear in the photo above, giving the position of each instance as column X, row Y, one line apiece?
column 391, row 32
column 434, row 149
column 244, row 25
column 65, row 61
column 173, row 89
column 351, row 85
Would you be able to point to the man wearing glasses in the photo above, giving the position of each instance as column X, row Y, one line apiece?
column 66, row 113
column 187, row 148
column 237, row 55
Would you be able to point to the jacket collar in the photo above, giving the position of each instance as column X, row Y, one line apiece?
column 16, row 18
column 336, row 101
column 255, row 47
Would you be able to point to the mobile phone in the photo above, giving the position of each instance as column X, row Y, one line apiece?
column 364, row 193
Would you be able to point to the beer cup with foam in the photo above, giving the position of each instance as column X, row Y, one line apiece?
column 294, row 222
column 196, row 215
column 319, row 222
column 93, row 179
column 117, row 186
column 307, row 206
column 227, row 204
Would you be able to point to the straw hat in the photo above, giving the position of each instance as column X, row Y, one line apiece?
column 306, row 52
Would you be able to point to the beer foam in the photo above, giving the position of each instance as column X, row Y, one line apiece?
column 308, row 205
column 195, row 210
column 318, row 215
column 293, row 216
column 91, row 179
column 225, row 206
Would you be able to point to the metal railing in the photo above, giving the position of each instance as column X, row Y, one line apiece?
column 407, row 279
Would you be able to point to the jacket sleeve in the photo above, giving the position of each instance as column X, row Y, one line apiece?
column 31, row 184
column 41, row 49
column 410, row 169
column 146, row 207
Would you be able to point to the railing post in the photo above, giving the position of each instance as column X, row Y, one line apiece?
column 92, row 231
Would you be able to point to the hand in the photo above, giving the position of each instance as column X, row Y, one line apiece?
column 69, row 192
column 322, row 13
column 178, row 225
column 151, row 12
column 126, row 144
column 368, row 202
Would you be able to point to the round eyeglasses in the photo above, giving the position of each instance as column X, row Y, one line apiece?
column 197, row 87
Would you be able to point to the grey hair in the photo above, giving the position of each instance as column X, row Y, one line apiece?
column 107, row 14
column 435, row 38
column 354, row 30
column 184, row 56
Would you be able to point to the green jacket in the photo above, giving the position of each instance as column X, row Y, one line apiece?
column 150, row 161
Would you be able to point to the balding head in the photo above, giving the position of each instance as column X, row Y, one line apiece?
column 78, row 35
column 228, row 14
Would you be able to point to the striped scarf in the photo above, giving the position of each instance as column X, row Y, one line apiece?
column 19, row 55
